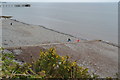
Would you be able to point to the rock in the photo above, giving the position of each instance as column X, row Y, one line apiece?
column 98, row 67
column 83, row 62
column 95, row 64
column 11, row 41
column 6, row 51
column 19, row 62
column 5, row 44
column 17, row 51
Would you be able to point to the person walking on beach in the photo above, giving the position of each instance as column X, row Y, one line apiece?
column 69, row 40
column 10, row 23
column 77, row 40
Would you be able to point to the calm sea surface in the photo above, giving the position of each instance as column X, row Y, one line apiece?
column 84, row 20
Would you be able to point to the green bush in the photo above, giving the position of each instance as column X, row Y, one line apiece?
column 49, row 65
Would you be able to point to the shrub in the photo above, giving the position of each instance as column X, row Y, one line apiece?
column 49, row 65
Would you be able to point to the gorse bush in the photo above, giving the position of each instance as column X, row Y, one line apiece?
column 49, row 65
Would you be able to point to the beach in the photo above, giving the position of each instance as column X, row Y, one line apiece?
column 19, row 34
column 25, row 40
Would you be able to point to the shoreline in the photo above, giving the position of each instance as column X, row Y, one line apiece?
column 46, row 28
column 20, row 33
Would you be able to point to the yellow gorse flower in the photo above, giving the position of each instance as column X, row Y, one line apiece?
column 43, row 71
column 74, row 64
column 53, row 65
column 63, row 58
column 52, row 53
column 56, row 56
column 65, row 67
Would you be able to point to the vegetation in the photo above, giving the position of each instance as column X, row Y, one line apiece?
column 49, row 65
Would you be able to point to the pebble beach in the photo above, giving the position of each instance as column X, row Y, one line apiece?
column 27, row 39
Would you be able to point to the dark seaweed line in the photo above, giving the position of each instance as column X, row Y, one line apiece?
column 113, row 44
column 57, row 31
column 46, row 28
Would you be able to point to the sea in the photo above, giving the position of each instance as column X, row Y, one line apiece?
column 91, row 21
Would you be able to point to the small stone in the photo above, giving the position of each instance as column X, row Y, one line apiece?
column 23, row 61
column 16, row 59
column 57, row 66
column 83, row 62
column 11, row 41
column 98, row 67
column 59, row 62
column 5, row 43
column 95, row 64
column 17, row 51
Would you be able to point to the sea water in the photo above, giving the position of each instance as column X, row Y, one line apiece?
column 83, row 20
